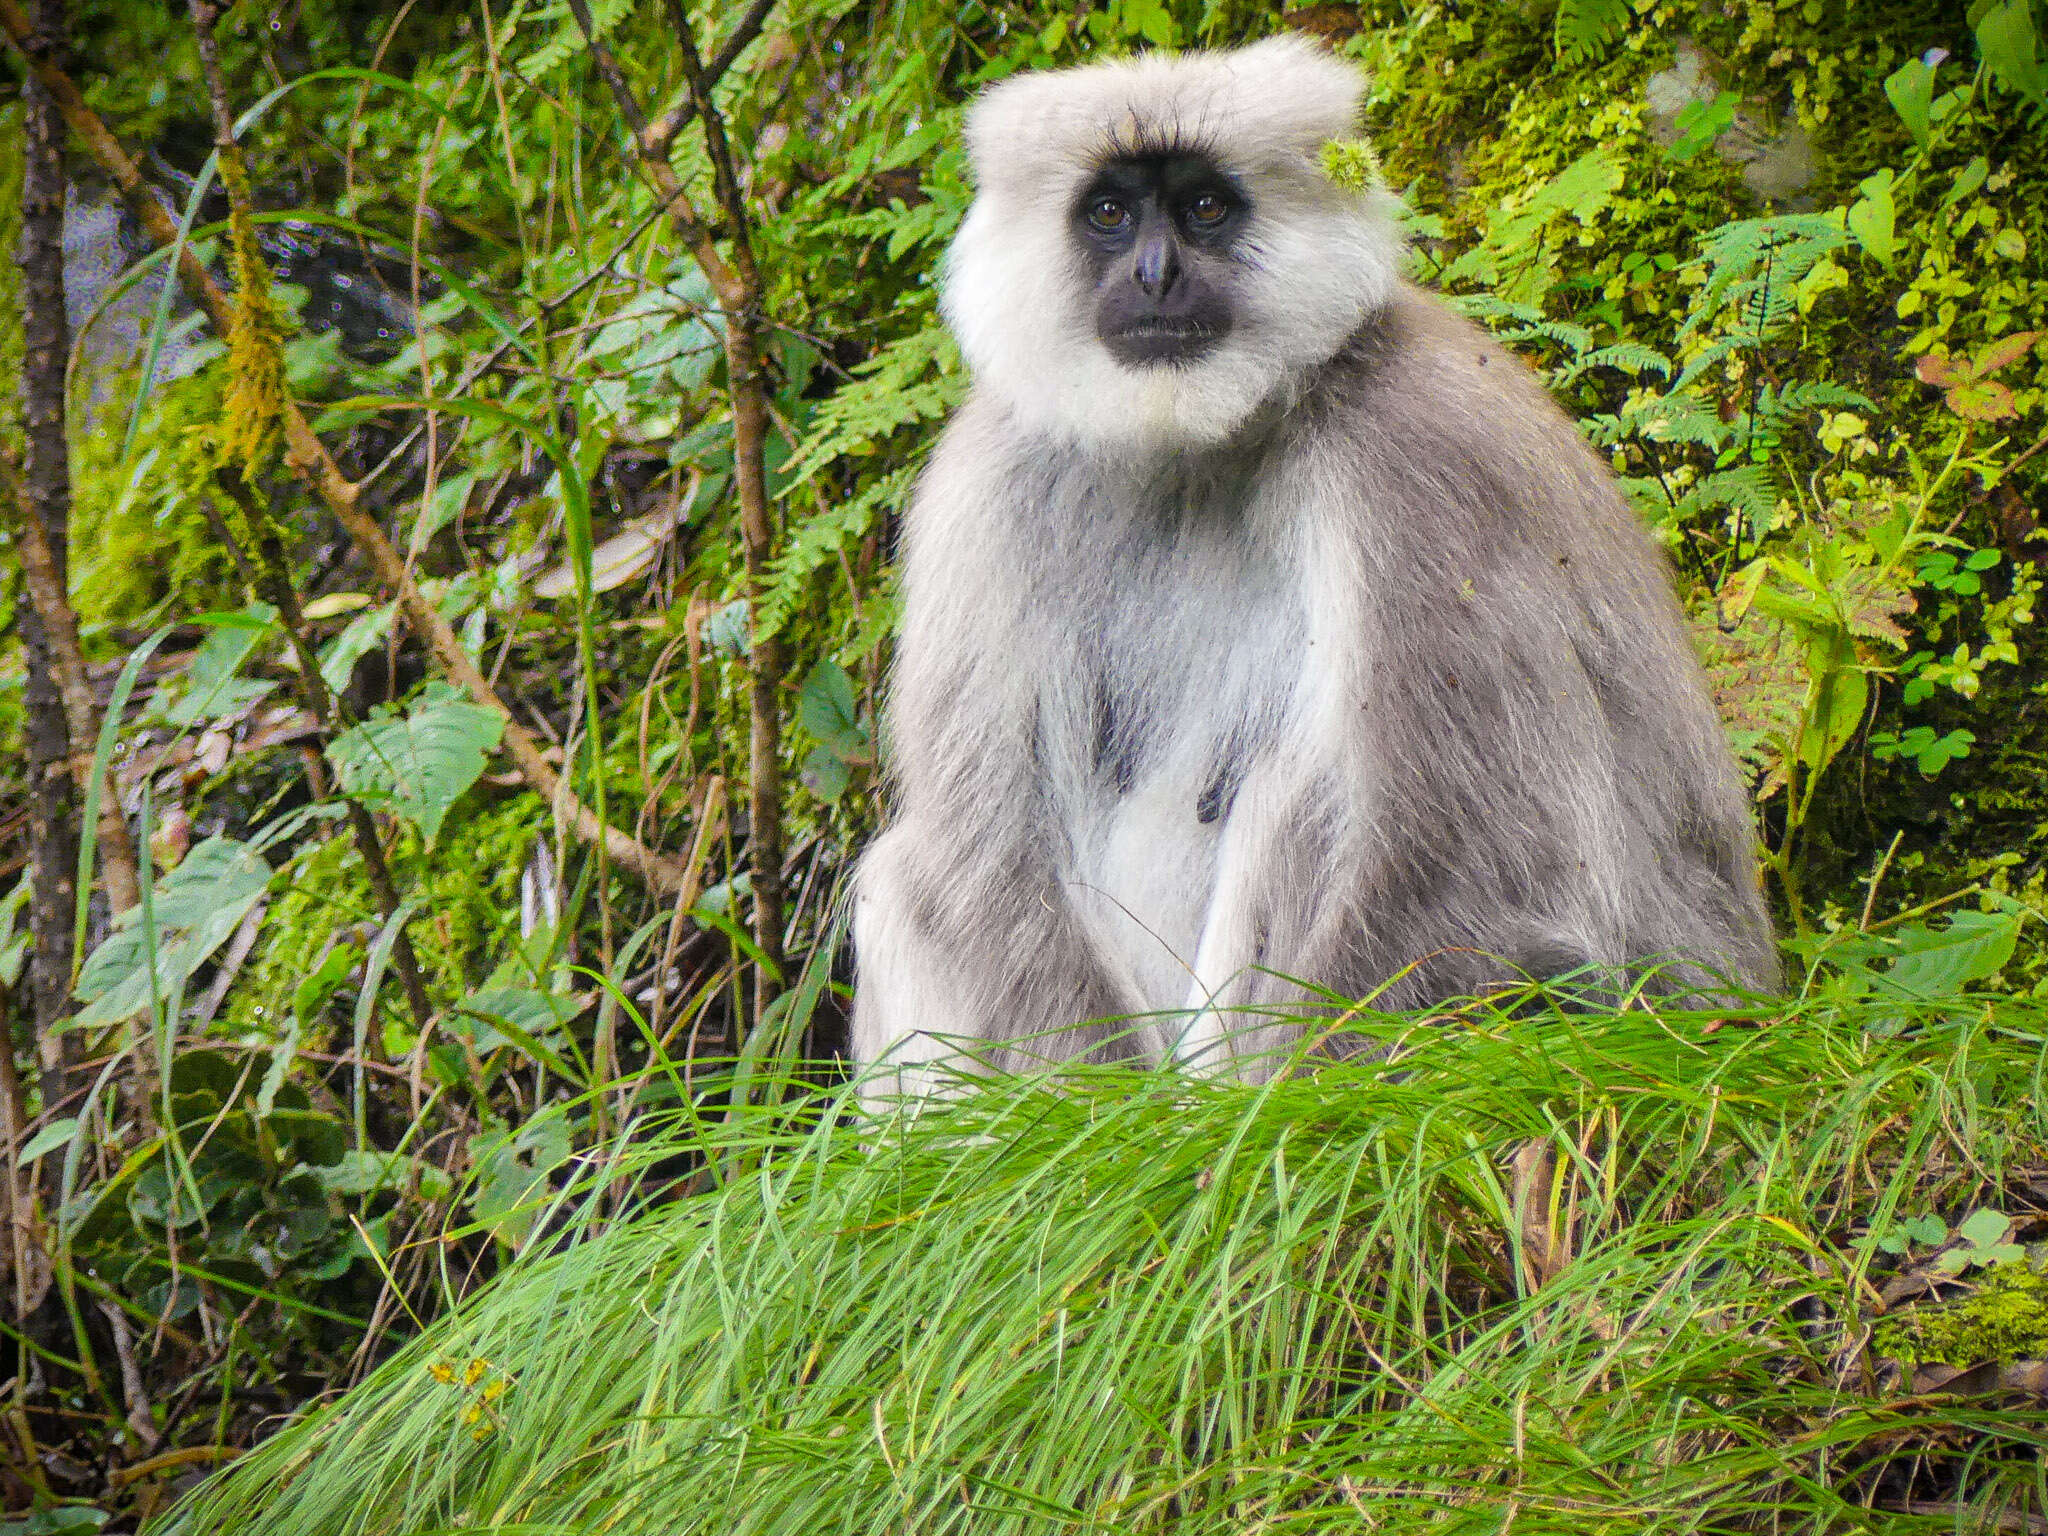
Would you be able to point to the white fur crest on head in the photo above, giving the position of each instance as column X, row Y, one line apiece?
column 1317, row 257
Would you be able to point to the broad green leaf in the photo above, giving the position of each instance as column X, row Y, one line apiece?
column 1841, row 695
column 364, row 1173
column 1983, row 1227
column 1873, row 219
column 2006, row 40
column 829, row 711
column 512, row 1171
column 362, row 635
column 211, row 687
column 1973, row 947
column 417, row 764
column 1910, row 89
column 825, row 774
column 195, row 907
column 524, row 1016
column 725, row 628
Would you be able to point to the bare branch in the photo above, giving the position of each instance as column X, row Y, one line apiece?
column 47, row 590
column 737, row 283
column 658, row 135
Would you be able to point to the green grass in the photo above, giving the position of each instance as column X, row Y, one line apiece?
column 1551, row 1273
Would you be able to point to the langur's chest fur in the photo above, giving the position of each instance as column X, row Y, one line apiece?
column 1179, row 657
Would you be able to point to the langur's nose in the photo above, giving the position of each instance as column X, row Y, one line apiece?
column 1158, row 267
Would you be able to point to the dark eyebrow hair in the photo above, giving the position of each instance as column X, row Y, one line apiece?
column 1156, row 140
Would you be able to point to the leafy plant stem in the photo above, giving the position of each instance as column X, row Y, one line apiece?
column 273, row 582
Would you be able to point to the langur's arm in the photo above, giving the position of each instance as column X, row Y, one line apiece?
column 963, row 929
column 1274, row 925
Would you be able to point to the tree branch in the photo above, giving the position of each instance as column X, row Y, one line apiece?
column 48, row 591
column 737, row 283
column 309, row 459
column 658, row 135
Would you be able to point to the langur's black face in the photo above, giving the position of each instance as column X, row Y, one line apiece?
column 1157, row 232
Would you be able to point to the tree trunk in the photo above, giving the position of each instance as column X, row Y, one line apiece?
column 53, row 830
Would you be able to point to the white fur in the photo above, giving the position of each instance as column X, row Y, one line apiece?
column 1317, row 259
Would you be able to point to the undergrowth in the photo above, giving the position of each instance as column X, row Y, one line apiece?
column 1532, row 1271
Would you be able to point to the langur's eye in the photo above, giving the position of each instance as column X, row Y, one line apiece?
column 1206, row 210
column 1107, row 214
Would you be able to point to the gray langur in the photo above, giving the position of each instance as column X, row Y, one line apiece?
column 1264, row 622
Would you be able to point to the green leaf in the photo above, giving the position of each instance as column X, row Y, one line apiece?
column 1583, row 188
column 512, row 1174
column 524, row 1016
column 366, row 1172
column 312, row 993
column 1699, row 123
column 211, row 687
column 825, row 774
column 2006, row 40
column 1586, row 28
column 1943, row 750
column 1873, row 219
column 1926, row 1230
column 56, row 1134
column 363, row 634
column 417, row 764
column 1968, row 180
column 1975, row 946
column 725, row 629
column 194, row 907
column 1983, row 1227
column 2003, row 353
column 829, row 711
column 1841, row 695
column 1985, row 400
column 1910, row 89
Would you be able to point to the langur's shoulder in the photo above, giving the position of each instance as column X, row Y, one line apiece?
column 1417, row 348
column 1421, row 384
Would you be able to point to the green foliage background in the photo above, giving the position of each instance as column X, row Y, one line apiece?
column 1783, row 259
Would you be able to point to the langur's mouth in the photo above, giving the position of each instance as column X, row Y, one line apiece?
column 1163, row 339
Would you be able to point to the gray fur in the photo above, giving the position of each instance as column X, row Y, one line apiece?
column 1381, row 687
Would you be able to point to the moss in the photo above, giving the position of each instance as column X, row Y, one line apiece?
column 138, row 537
column 467, row 888
column 2005, row 1318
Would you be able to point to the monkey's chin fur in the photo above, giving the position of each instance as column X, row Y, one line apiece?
column 1321, row 259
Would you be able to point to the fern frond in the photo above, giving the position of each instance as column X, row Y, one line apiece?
column 1585, row 29
column 1630, row 357
column 912, row 380
column 817, row 541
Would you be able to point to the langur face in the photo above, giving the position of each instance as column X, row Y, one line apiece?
column 1156, row 233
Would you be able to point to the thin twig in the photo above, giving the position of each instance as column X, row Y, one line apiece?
column 736, row 282
column 272, row 582
column 658, row 135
